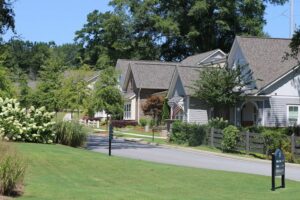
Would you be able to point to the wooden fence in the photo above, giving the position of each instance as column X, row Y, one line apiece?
column 249, row 142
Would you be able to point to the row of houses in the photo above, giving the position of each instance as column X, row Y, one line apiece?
column 272, row 101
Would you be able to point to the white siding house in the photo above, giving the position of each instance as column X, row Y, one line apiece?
column 274, row 99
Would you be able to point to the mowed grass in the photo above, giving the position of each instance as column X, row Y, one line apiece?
column 59, row 172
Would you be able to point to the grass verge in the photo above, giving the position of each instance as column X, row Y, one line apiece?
column 60, row 172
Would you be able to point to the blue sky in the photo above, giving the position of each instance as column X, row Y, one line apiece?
column 57, row 20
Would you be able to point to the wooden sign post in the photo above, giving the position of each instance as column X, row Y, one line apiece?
column 278, row 168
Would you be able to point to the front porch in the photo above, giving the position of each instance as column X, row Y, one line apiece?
column 250, row 112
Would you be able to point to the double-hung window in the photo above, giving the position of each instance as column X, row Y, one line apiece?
column 293, row 115
column 127, row 111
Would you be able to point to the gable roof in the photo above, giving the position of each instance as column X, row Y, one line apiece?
column 150, row 75
column 122, row 66
column 187, row 75
column 265, row 58
column 200, row 58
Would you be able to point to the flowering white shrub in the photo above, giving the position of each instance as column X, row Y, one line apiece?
column 19, row 124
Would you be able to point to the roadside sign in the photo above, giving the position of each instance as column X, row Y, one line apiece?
column 278, row 167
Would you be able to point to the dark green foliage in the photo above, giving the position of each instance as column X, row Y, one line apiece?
column 7, row 15
column 294, row 46
column 220, row 87
column 6, row 87
column 273, row 139
column 24, row 91
column 192, row 134
column 182, row 28
column 106, row 94
column 230, row 138
column 70, row 133
column 26, row 56
column 165, row 110
column 218, row 123
column 144, row 122
column 105, row 38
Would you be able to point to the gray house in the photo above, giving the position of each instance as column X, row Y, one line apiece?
column 274, row 99
column 180, row 94
column 140, row 79
column 183, row 106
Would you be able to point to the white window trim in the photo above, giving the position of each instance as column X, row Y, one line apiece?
column 287, row 113
column 127, row 112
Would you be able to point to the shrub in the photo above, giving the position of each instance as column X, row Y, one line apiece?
column 192, row 134
column 144, row 122
column 255, row 129
column 273, row 140
column 19, row 124
column 230, row 138
column 123, row 123
column 179, row 132
column 70, row 133
column 197, row 134
column 218, row 123
column 12, row 169
column 152, row 123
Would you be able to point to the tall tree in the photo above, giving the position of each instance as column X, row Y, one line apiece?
column 185, row 27
column 24, row 91
column 220, row 87
column 7, row 14
column 295, row 46
column 48, row 90
column 25, row 55
column 6, row 87
column 107, row 96
column 103, row 39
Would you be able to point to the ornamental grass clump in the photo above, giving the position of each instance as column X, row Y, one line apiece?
column 70, row 133
column 12, row 170
column 27, row 125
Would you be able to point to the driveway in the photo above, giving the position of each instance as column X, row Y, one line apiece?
column 186, row 157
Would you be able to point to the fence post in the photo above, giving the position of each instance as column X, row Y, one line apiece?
column 247, row 142
column 212, row 137
column 293, row 144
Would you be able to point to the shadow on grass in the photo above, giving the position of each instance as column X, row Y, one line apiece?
column 99, row 142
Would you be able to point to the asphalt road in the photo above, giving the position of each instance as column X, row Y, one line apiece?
column 190, row 158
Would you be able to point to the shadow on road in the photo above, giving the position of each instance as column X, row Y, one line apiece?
column 100, row 142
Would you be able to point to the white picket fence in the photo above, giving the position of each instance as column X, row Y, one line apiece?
column 88, row 123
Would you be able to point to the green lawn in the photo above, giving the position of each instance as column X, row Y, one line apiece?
column 59, row 172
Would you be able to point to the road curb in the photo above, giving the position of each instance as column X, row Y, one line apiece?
column 188, row 149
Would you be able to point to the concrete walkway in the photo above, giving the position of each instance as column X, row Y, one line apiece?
column 187, row 157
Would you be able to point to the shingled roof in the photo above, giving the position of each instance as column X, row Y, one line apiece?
column 152, row 75
column 200, row 58
column 265, row 58
column 188, row 75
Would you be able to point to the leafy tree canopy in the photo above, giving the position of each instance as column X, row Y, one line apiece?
column 222, row 86
column 167, row 29
column 106, row 94
column 7, row 15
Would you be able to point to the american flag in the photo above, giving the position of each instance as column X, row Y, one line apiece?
column 176, row 109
